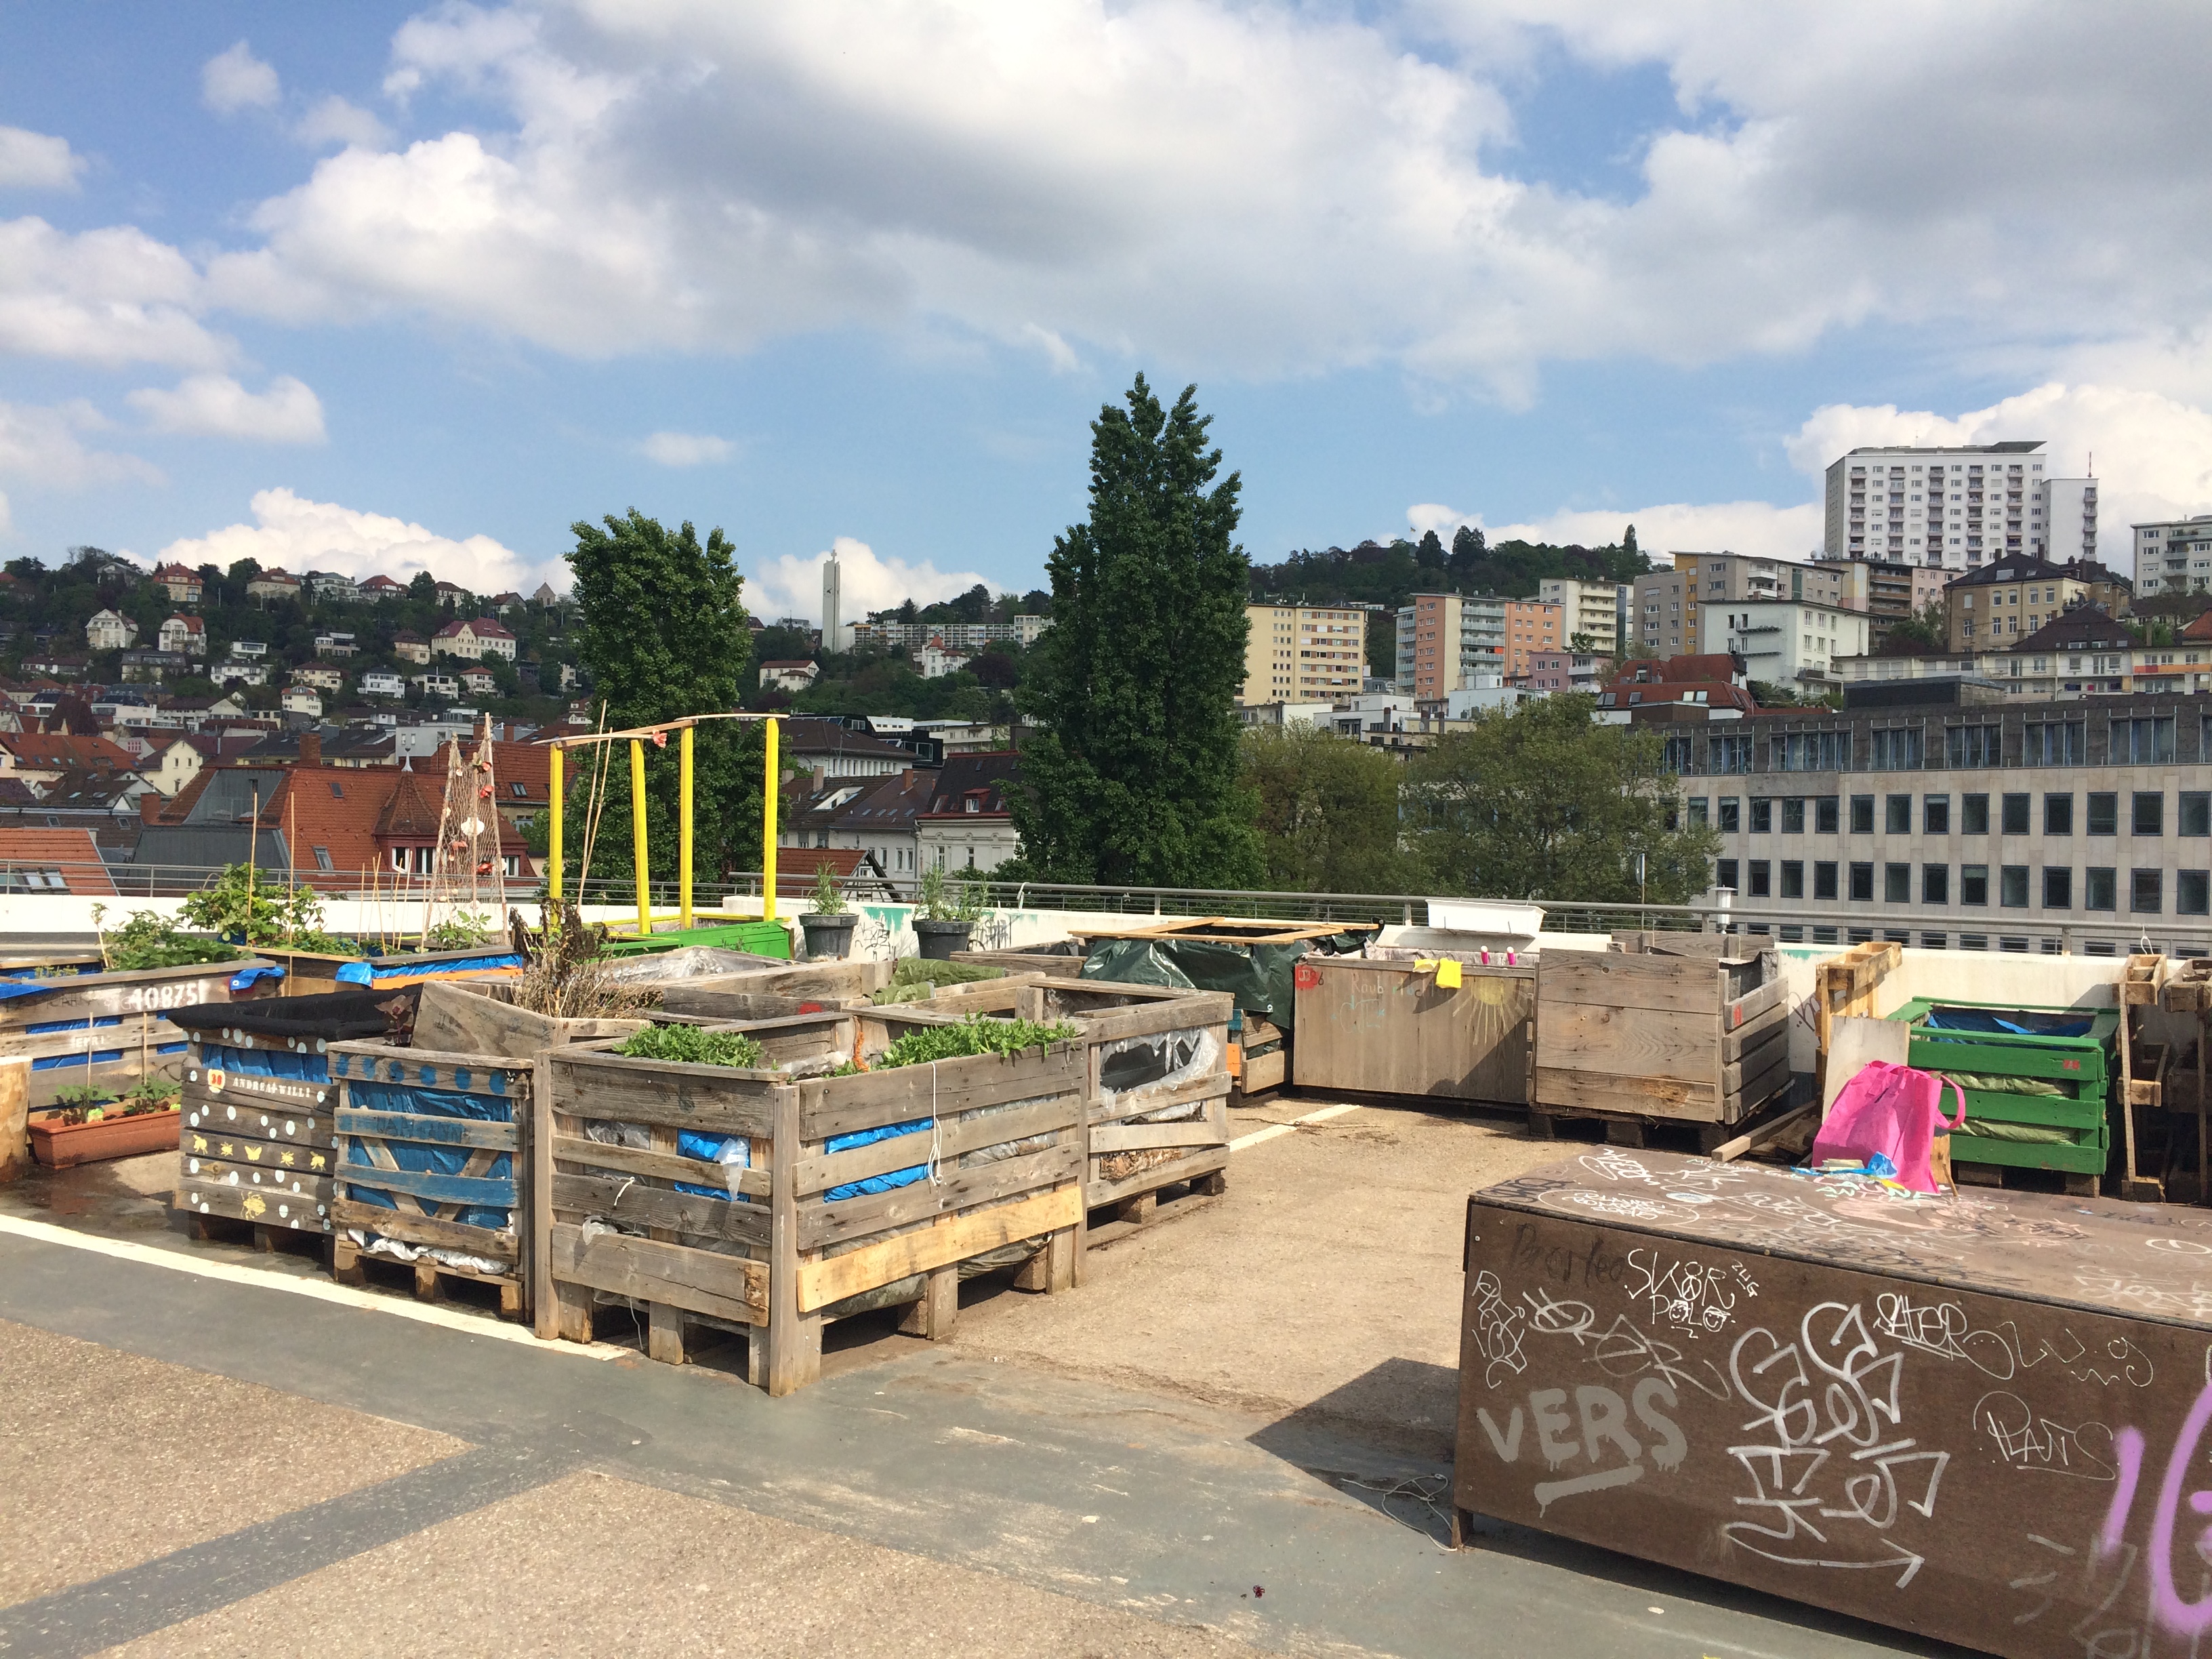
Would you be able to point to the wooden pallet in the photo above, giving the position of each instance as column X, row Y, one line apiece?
column 2142, row 1069
column 267, row 1238
column 429, row 1279
column 256, row 1150
column 380, row 1137
column 1844, row 987
column 1625, row 1128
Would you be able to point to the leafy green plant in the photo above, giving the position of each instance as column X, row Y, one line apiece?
column 829, row 894
column 79, row 1103
column 694, row 1045
column 148, row 939
column 151, row 1094
column 458, row 932
column 243, row 905
column 949, row 901
column 973, row 1035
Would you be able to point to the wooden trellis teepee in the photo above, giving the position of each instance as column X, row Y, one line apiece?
column 468, row 874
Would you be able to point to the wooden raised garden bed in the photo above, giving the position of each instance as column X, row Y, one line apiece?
column 256, row 1145
column 775, row 992
column 106, row 1031
column 1391, row 1028
column 432, row 1149
column 734, row 1196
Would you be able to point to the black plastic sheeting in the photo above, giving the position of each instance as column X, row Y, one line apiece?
column 1257, row 975
column 335, row 1016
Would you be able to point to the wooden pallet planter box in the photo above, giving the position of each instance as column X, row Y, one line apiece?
column 725, row 1214
column 2082, row 1068
column 1054, row 964
column 1390, row 1027
column 259, row 1133
column 432, row 1152
column 776, row 992
column 1157, row 1085
column 1659, row 1038
column 1844, row 987
column 478, row 1016
column 107, row 1031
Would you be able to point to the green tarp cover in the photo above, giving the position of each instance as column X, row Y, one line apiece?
column 1257, row 975
column 2031, row 1133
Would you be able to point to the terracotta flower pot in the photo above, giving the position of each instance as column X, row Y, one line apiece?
column 61, row 1146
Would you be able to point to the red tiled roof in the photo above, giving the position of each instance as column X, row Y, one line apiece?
column 50, row 752
column 355, row 814
column 513, row 764
column 73, row 852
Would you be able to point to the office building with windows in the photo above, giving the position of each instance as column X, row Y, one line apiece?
column 1957, row 508
column 1972, row 823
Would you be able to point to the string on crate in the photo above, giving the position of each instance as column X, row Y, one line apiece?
column 936, row 1126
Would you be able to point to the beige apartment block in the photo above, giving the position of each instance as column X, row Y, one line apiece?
column 1593, row 609
column 1303, row 653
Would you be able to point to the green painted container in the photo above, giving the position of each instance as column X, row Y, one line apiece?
column 2080, row 1069
column 762, row 938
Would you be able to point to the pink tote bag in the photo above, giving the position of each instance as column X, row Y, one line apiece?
column 1895, row 1110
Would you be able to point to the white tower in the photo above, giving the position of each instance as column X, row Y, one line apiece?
column 834, row 635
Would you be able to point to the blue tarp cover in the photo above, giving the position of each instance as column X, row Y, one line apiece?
column 267, row 1062
column 392, row 970
column 2020, row 1022
column 415, row 1155
column 882, row 1183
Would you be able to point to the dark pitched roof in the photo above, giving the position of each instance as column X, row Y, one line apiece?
column 981, row 778
column 2085, row 628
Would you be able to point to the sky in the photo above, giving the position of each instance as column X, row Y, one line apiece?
column 379, row 287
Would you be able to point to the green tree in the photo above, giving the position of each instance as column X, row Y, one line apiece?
column 1629, row 551
column 1134, row 778
column 661, row 630
column 1329, row 811
column 1545, row 803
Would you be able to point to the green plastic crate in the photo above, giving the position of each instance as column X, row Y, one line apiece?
column 762, row 938
column 2083, row 1065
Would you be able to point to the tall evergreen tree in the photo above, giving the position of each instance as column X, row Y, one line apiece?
column 661, row 632
column 1134, row 777
column 1629, row 551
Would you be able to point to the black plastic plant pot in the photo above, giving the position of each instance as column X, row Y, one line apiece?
column 939, row 939
column 828, row 937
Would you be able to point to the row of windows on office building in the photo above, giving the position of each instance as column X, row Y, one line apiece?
column 2130, row 740
column 2007, row 886
column 2013, row 814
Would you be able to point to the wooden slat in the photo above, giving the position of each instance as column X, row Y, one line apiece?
column 836, row 1106
column 305, row 1128
column 1754, row 1032
column 1570, row 1090
column 1749, row 1007
column 136, row 991
column 1152, row 1098
column 955, row 1189
column 439, row 1189
column 497, row 1243
column 1744, row 1101
column 1625, row 1041
column 1775, row 1050
column 230, row 1201
column 954, row 1238
column 269, row 1177
column 660, row 1166
column 432, row 1130
column 1098, row 1191
column 828, row 1170
column 617, row 1198
column 1679, row 985
column 264, row 1093
column 1143, row 1137
column 674, row 1275
column 734, row 1103
column 257, row 1154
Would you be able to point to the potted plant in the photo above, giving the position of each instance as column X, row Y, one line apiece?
column 829, row 925
column 949, row 912
column 86, row 1126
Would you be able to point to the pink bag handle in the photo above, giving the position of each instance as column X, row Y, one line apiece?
column 1949, row 1122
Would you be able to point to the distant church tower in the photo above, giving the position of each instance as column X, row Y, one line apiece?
column 836, row 636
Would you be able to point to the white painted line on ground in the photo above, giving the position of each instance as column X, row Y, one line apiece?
column 317, row 1289
column 1274, row 1130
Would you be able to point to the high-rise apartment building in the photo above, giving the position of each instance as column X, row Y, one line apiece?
column 2173, row 556
column 1593, row 609
column 1531, row 626
column 836, row 636
column 2070, row 520
column 1450, row 643
column 1957, row 508
column 1303, row 653
column 1664, row 606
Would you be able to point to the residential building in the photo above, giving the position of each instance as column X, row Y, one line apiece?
column 53, row 861
column 273, row 585
column 1944, row 815
column 1565, row 670
column 249, row 650
column 139, row 665
column 1303, row 653
column 231, row 672
column 473, row 640
column 1532, row 625
column 1664, row 605
column 38, row 758
column 2070, row 520
column 967, row 825
column 1677, row 690
column 437, row 685
column 1592, row 611
column 379, row 587
column 1786, row 642
column 875, row 815
column 104, row 793
column 478, row 681
column 2081, row 653
column 187, row 636
column 180, row 582
column 110, row 630
column 789, row 674
column 303, row 700
column 410, row 647
column 173, row 765
column 935, row 661
column 2004, row 601
column 521, row 776
column 336, row 645
column 2173, row 556
column 1956, row 507
column 886, row 635
column 835, row 754
column 321, row 675
column 330, row 587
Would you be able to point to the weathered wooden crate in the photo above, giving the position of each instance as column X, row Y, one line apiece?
column 776, row 992
column 1391, row 1028
column 478, row 1016
column 1156, row 1086
column 259, row 1135
column 431, row 1154
column 725, row 1214
column 109, row 1029
column 2066, row 1128
column 1645, row 1038
column 1979, row 1418
column 1025, row 961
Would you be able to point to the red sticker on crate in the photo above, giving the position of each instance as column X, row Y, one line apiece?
column 1305, row 978
column 2070, row 1064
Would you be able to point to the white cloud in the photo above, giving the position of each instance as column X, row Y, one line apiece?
column 686, row 448
column 32, row 160
column 44, row 445
column 216, row 405
column 106, row 297
column 304, row 535
column 336, row 121
column 1756, row 528
column 7, row 519
column 236, row 79
column 792, row 587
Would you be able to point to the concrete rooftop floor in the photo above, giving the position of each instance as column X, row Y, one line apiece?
column 1234, row 1437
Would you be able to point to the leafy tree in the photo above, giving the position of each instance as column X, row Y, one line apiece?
column 1926, row 629
column 423, row 588
column 1329, row 811
column 1545, row 803
column 1134, row 778
column 1628, row 548
column 661, row 629
column 1429, row 555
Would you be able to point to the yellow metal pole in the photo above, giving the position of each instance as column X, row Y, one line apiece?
column 768, row 827
column 637, row 838
column 553, row 782
column 684, row 832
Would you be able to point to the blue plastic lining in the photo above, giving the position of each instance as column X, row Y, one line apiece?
column 267, row 1062
column 2020, row 1022
column 418, row 1156
column 246, row 978
column 709, row 1149
column 888, row 1180
column 396, row 970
